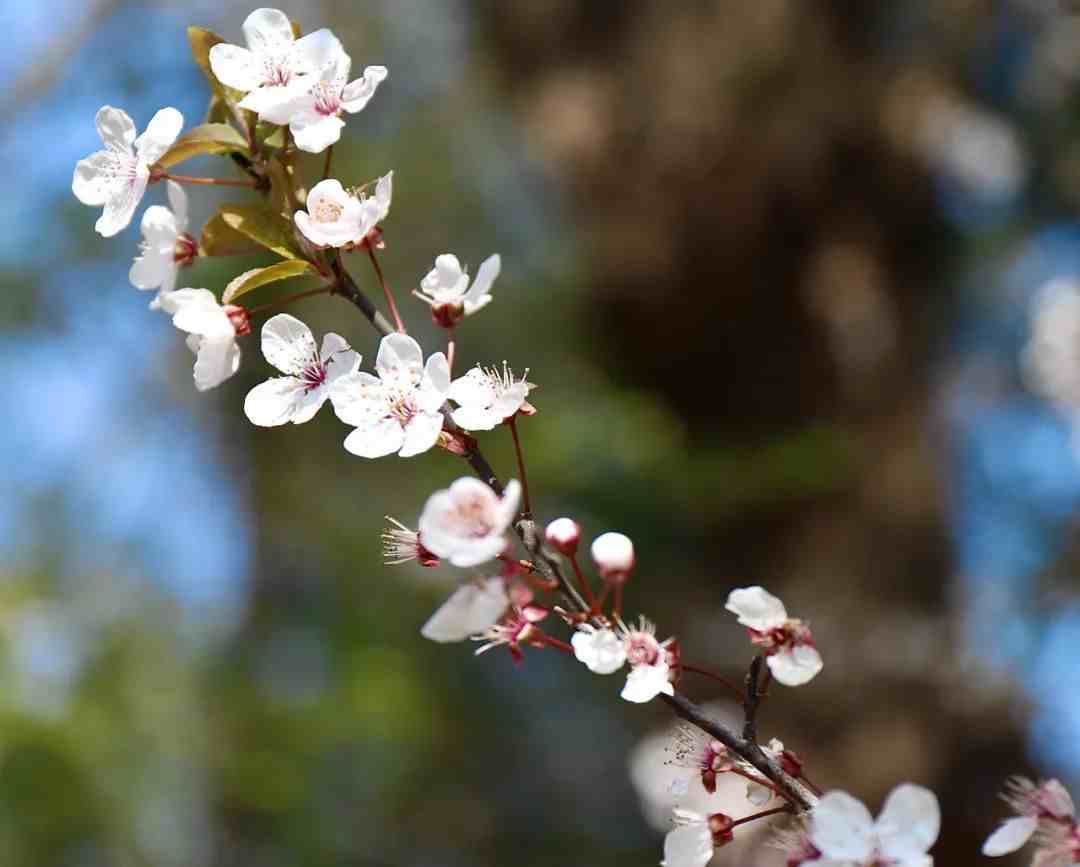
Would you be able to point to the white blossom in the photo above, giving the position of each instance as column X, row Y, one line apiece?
column 650, row 670
column 446, row 288
column 602, row 651
column 1045, row 812
column 336, row 218
column 467, row 522
column 166, row 246
column 1051, row 359
column 289, row 345
column 211, row 334
column 487, row 398
column 117, row 175
column 276, row 67
column 693, row 840
column 613, row 554
column 789, row 647
column 704, row 755
column 399, row 410
column 314, row 115
column 843, row 831
column 471, row 610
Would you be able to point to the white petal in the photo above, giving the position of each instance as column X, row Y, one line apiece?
column 601, row 650
column 1057, row 800
column 217, row 361
column 384, row 191
column 160, row 133
column 1010, row 836
column 359, row 398
column 273, row 402
column 508, row 503
column 909, row 822
column 476, row 418
column 471, row 609
column 235, row 67
column 688, row 846
column 376, row 439
column 796, row 666
column 94, row 179
column 358, row 93
column 288, row 344
column 841, row 827
column 265, row 101
column 474, row 389
column 201, row 314
column 317, row 50
column 316, row 132
column 116, row 128
column 646, row 682
column 120, row 206
column 435, row 384
column 158, row 227
column 179, row 204
column 268, row 30
column 481, row 285
column 400, row 359
column 756, row 608
column 421, row 433
column 151, row 270
column 475, row 305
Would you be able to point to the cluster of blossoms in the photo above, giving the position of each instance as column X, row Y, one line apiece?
column 283, row 94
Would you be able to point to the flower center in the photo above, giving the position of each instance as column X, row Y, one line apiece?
column 327, row 212
column 642, row 649
column 474, row 518
column 313, row 375
column 277, row 71
column 327, row 100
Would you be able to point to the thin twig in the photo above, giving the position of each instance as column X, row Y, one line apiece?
column 526, row 509
column 753, row 698
column 732, row 688
column 386, row 289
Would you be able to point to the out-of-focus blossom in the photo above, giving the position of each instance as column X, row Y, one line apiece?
column 706, row 756
column 117, row 175
column 789, row 646
column 693, row 840
column 1044, row 811
column 518, row 627
column 166, row 246
column 1051, row 358
column 471, row 610
column 487, row 398
column 447, row 291
column 212, row 331
column 402, row 545
column 467, row 522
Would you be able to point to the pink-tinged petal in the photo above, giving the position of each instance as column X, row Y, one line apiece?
column 400, row 359
column 268, row 30
column 756, row 608
column 116, row 128
column 909, row 822
column 841, row 827
column 314, row 133
column 235, row 67
column 1011, row 835
column 94, row 178
column 688, row 846
column 178, row 203
column 1057, row 800
column 795, row 666
column 470, row 610
column 317, row 50
column 475, row 552
column 120, row 207
column 376, row 439
column 357, row 94
column 288, row 344
column 421, row 433
column 159, row 135
column 358, row 398
column 217, row 361
column 333, row 345
column 646, row 682
column 485, row 277
column 273, row 402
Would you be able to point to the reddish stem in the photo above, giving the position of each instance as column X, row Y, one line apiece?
column 584, row 585
column 763, row 814
column 526, row 509
column 732, row 688
column 386, row 289
column 557, row 643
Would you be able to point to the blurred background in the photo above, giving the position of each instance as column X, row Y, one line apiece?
column 781, row 270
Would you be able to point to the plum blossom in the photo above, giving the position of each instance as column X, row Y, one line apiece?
column 518, row 627
column 447, row 291
column 314, row 115
column 166, row 246
column 1045, row 812
column 467, row 522
column 487, row 398
column 212, row 331
column 613, row 554
column 289, row 345
column 117, row 175
column 695, row 837
column 471, row 610
column 402, row 545
column 397, row 411
column 276, row 67
column 845, row 834
column 336, row 218
column 789, row 647
column 650, row 661
column 695, row 750
column 602, row 650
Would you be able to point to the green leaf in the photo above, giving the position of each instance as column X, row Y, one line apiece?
column 202, row 41
column 221, row 239
column 207, row 138
column 264, row 227
column 257, row 277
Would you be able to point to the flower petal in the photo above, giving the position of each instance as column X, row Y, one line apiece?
column 475, row 418
column 1010, row 836
column 267, row 30
column 178, row 203
column 217, row 360
column 795, row 666
column 688, row 846
column 646, row 682
column 151, row 270
column 158, row 228
column 288, row 344
column 756, row 608
column 400, row 359
column 470, row 610
column 235, row 67
column 485, row 277
column 317, row 50
column 94, row 178
column 357, row 94
column 359, row 398
column 376, row 438
column 315, row 132
column 116, row 128
column 421, row 433
column 160, row 133
column 841, row 827
column 909, row 822
column 273, row 402
column 120, row 206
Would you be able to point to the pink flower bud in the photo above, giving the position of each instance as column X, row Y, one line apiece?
column 563, row 534
column 613, row 554
column 240, row 319
column 720, row 824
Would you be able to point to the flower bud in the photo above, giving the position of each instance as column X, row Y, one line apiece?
column 240, row 319
column 720, row 825
column 563, row 534
column 613, row 554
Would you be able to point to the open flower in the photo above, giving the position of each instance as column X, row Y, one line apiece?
column 789, row 647
column 846, row 835
column 399, row 410
column 471, row 610
column 650, row 663
column 446, row 288
column 1046, row 808
column 695, row 750
column 487, row 398
column 518, row 627
column 289, row 345
column 117, row 175
column 212, row 331
column 166, row 246
column 402, row 545
column 467, row 522
column 336, row 218
column 314, row 116
column 602, row 651
column 276, row 67
column 695, row 837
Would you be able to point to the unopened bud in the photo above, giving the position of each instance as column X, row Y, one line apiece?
column 563, row 534
column 185, row 250
column 720, row 824
column 447, row 315
column 613, row 554
column 240, row 319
